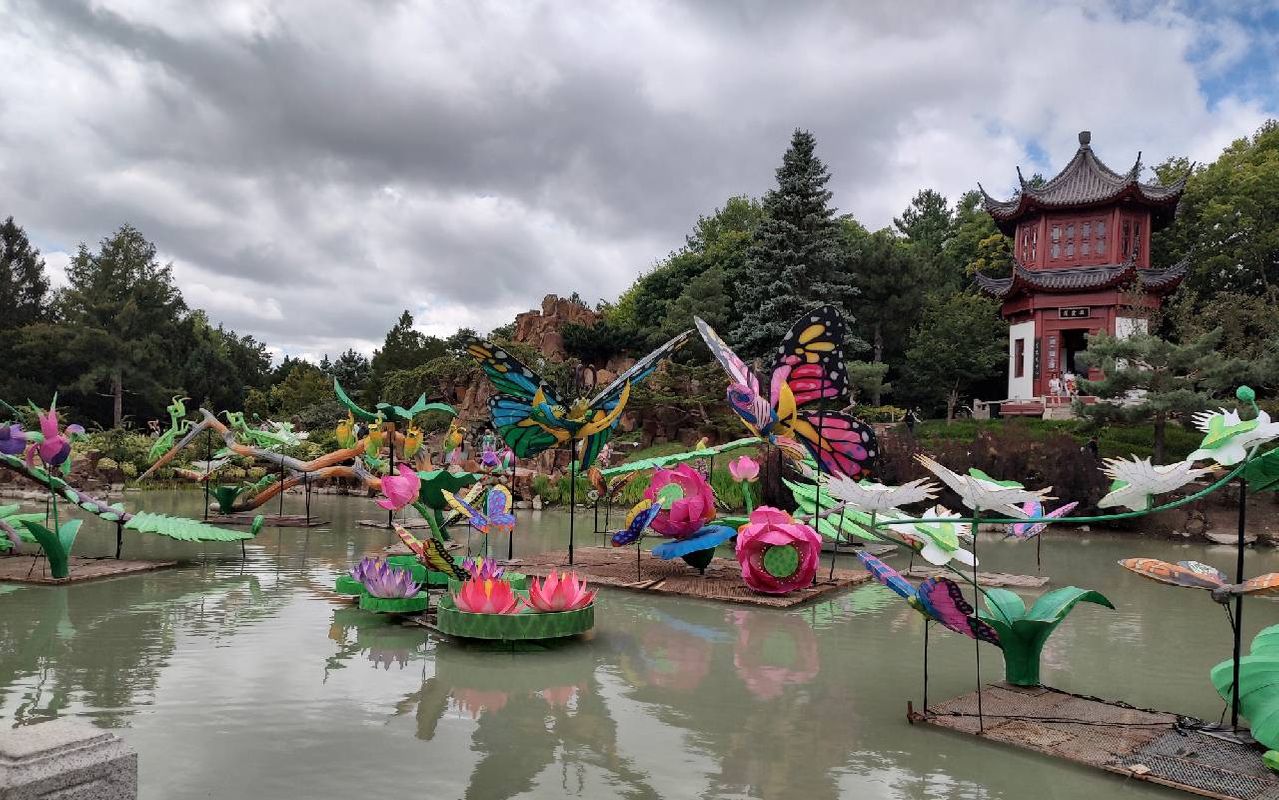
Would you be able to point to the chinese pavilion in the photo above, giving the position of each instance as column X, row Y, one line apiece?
column 1081, row 264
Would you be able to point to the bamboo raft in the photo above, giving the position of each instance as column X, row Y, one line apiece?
column 988, row 579
column 1138, row 744
column 616, row 567
column 18, row 569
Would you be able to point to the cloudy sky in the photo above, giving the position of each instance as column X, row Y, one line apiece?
column 312, row 168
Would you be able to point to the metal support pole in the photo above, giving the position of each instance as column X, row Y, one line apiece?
column 572, row 501
column 1239, row 555
column 208, row 468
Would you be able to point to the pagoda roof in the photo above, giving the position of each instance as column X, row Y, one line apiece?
column 1086, row 182
column 1076, row 279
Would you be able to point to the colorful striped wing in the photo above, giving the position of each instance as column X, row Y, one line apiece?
column 887, row 575
column 737, row 370
column 473, row 516
column 810, row 359
column 1173, row 574
column 498, row 507
column 844, row 444
column 637, row 373
column 431, row 552
column 1262, row 584
column 944, row 601
column 637, row 521
column 507, row 374
column 1035, row 510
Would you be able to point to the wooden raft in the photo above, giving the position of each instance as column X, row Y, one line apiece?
column 988, row 579
column 271, row 521
column 1138, row 744
column 616, row 567
column 15, row 569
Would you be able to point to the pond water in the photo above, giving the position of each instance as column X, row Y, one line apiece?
column 244, row 678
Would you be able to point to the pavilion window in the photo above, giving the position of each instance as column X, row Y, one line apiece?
column 1125, row 240
column 1136, row 240
column 1019, row 358
column 1034, row 243
column 1101, row 237
column 1085, row 239
column 1056, row 239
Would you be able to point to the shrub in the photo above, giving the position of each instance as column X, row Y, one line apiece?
column 256, row 473
column 108, row 465
column 129, row 470
column 880, row 413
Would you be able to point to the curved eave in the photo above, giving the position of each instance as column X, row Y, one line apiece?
column 1081, row 279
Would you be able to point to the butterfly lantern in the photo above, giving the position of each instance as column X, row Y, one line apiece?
column 531, row 417
column 1195, row 575
column 497, row 516
column 430, row 551
column 938, row 599
column 807, row 368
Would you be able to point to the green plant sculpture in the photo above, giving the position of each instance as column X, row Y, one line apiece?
column 1023, row 634
column 1258, row 689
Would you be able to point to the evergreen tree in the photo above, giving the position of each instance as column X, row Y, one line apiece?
column 122, row 311
column 351, row 370
column 795, row 249
column 24, row 288
column 926, row 223
column 959, row 343
column 892, row 280
column 404, row 348
column 975, row 243
column 1149, row 379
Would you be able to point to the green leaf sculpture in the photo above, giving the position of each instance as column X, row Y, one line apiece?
column 1262, row 472
column 1023, row 634
column 1258, row 687
column 185, row 530
column 56, row 546
column 226, row 496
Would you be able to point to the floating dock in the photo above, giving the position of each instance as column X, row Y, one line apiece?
column 270, row 521
column 1138, row 744
column 35, row 569
column 988, row 579
column 412, row 524
column 616, row 567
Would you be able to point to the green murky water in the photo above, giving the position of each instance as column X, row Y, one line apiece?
column 243, row 678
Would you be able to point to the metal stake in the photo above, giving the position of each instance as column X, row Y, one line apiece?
column 1243, row 520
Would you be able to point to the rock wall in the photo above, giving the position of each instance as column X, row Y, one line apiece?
column 542, row 329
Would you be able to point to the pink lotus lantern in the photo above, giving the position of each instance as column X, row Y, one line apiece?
column 401, row 489
column 744, row 469
column 559, row 592
column 486, row 596
column 687, row 501
column 777, row 554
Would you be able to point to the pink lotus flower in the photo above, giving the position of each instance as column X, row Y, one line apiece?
column 401, row 490
column 559, row 592
column 777, row 554
column 744, row 469
column 687, row 501
column 481, row 596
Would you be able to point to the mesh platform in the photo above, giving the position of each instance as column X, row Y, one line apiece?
column 1137, row 743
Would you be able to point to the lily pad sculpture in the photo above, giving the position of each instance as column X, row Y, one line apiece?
column 1258, row 689
column 485, row 608
column 1023, row 634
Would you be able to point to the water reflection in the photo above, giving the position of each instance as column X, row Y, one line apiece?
column 383, row 641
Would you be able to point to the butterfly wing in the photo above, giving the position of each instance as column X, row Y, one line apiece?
column 637, row 521
column 1034, row 509
column 887, row 575
column 1172, row 574
column 810, row 359
column 945, row 602
column 507, row 374
column 734, row 366
column 844, row 444
column 498, row 507
column 473, row 516
column 525, row 437
column 639, row 371
column 1262, row 584
column 431, row 553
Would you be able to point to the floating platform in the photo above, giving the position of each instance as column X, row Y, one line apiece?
column 616, row 567
column 988, row 579
column 1139, row 744
column 270, row 521
column 852, row 549
column 18, row 569
column 412, row 524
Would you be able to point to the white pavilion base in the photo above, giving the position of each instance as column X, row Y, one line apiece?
column 67, row 759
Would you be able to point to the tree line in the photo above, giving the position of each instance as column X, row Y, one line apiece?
column 119, row 339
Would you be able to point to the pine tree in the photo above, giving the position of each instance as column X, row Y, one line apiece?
column 24, row 288
column 892, row 285
column 122, row 310
column 1149, row 379
column 795, row 251
column 404, row 348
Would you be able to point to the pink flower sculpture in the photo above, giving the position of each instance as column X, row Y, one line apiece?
column 777, row 554
column 687, row 501
column 483, row 568
column 744, row 469
column 57, row 444
column 480, row 596
column 400, row 490
column 559, row 592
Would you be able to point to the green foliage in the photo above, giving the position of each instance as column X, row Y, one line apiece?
column 959, row 343
column 118, row 446
column 892, row 279
column 1023, row 635
column 24, row 288
column 1248, row 324
column 56, row 545
column 404, row 348
column 351, row 369
column 926, row 224
column 1152, row 379
column 304, row 386
column 1258, row 685
column 185, row 530
column 596, row 344
column 795, row 246
column 880, row 413
column 975, row 243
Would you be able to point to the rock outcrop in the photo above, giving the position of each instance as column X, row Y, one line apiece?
column 542, row 329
